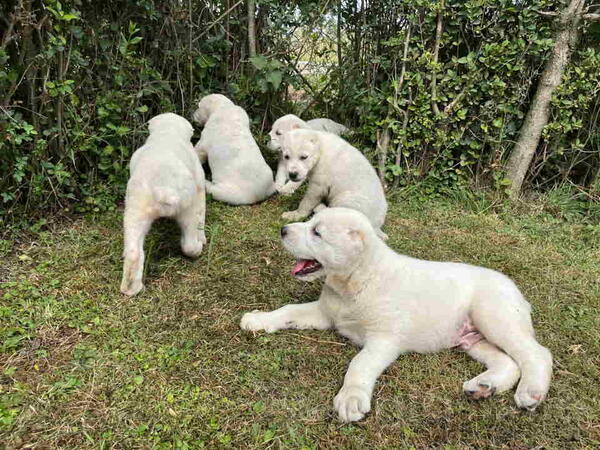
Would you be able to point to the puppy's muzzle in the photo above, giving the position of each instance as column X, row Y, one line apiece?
column 293, row 176
column 284, row 231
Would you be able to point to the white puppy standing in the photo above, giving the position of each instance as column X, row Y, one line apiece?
column 338, row 173
column 240, row 175
column 166, row 180
column 288, row 123
column 390, row 304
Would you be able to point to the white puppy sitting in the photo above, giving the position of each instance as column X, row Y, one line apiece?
column 390, row 304
column 338, row 173
column 240, row 175
column 166, row 180
column 288, row 123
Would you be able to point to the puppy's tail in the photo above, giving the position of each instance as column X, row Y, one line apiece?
column 168, row 199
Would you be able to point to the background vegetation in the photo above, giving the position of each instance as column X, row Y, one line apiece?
column 442, row 86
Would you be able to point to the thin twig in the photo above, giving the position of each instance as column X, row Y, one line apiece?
column 217, row 20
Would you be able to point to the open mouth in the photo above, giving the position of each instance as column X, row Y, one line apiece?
column 305, row 267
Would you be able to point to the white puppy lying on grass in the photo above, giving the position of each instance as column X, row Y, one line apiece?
column 390, row 304
column 240, row 175
column 288, row 123
column 338, row 173
column 166, row 180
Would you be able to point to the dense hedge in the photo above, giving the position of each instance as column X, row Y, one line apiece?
column 79, row 78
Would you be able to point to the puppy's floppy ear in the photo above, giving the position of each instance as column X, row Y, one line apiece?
column 313, row 140
column 295, row 126
column 357, row 237
column 154, row 123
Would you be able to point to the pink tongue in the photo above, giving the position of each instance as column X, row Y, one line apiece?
column 300, row 264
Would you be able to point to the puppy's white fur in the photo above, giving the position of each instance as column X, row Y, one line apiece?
column 166, row 180
column 327, row 125
column 288, row 123
column 240, row 175
column 338, row 173
column 390, row 304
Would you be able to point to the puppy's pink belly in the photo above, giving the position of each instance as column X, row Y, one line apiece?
column 468, row 335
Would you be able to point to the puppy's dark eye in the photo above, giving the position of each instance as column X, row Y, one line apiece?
column 287, row 156
column 303, row 157
column 315, row 232
column 278, row 133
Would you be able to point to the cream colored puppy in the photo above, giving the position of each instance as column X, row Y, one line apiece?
column 288, row 123
column 240, row 175
column 338, row 173
column 166, row 180
column 390, row 304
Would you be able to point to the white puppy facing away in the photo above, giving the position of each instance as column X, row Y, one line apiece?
column 390, row 304
column 288, row 123
column 240, row 175
column 338, row 173
column 166, row 180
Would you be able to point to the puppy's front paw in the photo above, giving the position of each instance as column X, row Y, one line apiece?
column 286, row 189
column 320, row 207
column 292, row 215
column 257, row 321
column 352, row 403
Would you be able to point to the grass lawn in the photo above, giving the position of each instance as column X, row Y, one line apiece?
column 83, row 366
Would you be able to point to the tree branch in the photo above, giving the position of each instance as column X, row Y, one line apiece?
column 217, row 20
column 436, row 51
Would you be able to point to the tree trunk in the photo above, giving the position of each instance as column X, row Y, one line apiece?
column 436, row 52
column 251, row 28
column 539, row 111
column 383, row 143
column 338, row 30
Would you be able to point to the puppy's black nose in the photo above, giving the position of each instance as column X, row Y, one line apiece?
column 284, row 231
column 293, row 176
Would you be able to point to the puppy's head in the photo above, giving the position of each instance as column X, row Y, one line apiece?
column 169, row 122
column 333, row 242
column 301, row 150
column 209, row 104
column 281, row 126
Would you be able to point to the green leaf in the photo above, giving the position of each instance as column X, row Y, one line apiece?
column 259, row 62
column 275, row 78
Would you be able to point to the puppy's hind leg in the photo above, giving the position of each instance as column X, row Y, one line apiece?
column 201, row 152
column 191, row 222
column 136, row 227
column 504, row 319
column 381, row 234
column 227, row 193
column 502, row 374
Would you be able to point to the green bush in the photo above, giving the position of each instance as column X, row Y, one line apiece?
column 81, row 78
